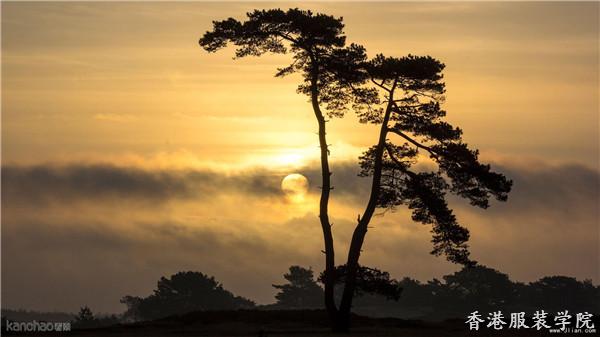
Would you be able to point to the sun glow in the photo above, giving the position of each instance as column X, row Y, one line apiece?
column 289, row 159
column 295, row 187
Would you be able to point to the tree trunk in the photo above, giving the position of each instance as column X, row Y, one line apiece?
column 360, row 231
column 323, row 204
column 342, row 322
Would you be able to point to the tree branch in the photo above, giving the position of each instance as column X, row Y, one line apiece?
column 380, row 85
column 398, row 162
column 417, row 144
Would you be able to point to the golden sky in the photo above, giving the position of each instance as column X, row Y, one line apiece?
column 90, row 80
column 126, row 147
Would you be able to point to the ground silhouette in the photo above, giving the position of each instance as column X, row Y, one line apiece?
column 432, row 308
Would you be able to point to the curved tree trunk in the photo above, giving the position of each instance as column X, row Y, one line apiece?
column 360, row 231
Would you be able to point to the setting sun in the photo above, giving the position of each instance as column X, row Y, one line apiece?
column 295, row 187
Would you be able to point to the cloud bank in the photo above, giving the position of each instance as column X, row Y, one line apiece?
column 90, row 234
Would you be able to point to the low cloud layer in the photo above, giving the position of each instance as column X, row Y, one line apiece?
column 50, row 183
column 534, row 188
column 90, row 234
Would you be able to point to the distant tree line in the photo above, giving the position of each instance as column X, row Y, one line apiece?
column 377, row 295
column 455, row 295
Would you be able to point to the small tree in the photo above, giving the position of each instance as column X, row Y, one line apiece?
column 301, row 291
column 85, row 314
column 476, row 287
column 85, row 318
column 181, row 293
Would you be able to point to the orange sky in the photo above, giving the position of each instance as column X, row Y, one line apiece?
column 116, row 128
column 91, row 80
